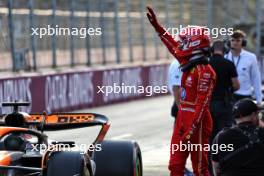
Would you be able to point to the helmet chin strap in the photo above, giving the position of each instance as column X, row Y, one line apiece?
column 198, row 57
column 199, row 53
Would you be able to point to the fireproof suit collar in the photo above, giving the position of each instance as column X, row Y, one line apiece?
column 193, row 62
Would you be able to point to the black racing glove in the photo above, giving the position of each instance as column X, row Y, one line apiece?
column 174, row 110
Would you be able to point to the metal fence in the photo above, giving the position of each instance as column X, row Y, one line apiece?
column 125, row 37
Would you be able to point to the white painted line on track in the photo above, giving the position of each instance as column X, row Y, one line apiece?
column 122, row 136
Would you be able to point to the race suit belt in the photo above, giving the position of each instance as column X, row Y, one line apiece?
column 188, row 109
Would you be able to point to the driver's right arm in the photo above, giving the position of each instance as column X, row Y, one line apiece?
column 164, row 35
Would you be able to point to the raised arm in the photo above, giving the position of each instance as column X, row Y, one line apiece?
column 164, row 35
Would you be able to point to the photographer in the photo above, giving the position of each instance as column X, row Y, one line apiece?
column 247, row 139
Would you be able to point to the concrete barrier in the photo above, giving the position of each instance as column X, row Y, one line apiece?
column 73, row 90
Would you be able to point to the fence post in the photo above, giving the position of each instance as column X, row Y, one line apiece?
column 181, row 12
column 209, row 13
column 142, row 28
column 116, row 28
column 33, row 40
column 155, row 38
column 87, row 41
column 168, row 23
column 102, row 24
column 227, row 5
column 53, row 42
column 244, row 11
column 11, row 33
column 258, row 27
column 71, row 36
column 191, row 12
column 129, row 31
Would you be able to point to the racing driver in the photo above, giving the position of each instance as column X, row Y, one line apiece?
column 193, row 123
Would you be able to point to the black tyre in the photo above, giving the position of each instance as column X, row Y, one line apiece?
column 67, row 164
column 118, row 158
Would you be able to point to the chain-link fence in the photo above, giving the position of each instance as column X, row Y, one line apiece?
column 125, row 35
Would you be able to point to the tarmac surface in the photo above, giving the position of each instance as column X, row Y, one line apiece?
column 146, row 121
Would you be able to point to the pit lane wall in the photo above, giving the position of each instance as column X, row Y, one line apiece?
column 70, row 91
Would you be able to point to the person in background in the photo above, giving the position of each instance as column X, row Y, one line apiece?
column 242, row 151
column 174, row 83
column 226, row 82
column 247, row 68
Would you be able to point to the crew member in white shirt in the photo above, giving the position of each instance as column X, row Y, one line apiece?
column 247, row 68
column 174, row 83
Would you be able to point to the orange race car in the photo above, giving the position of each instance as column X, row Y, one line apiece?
column 26, row 150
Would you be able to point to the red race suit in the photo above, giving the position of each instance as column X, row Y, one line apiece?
column 193, row 123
